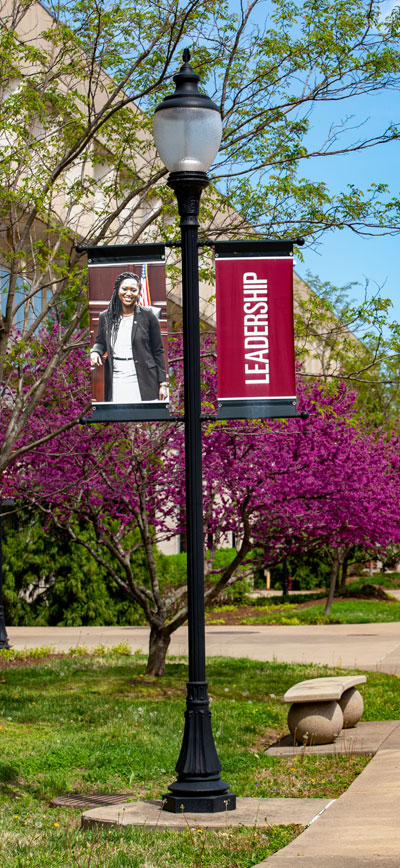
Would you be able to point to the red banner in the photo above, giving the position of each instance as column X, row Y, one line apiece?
column 255, row 340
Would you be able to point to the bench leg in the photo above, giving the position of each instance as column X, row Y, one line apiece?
column 315, row 722
column 352, row 706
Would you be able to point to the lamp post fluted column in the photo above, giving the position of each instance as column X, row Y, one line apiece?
column 187, row 130
column 199, row 786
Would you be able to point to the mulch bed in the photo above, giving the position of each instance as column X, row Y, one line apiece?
column 29, row 661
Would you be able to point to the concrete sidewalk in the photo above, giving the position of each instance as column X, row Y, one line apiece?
column 362, row 646
column 360, row 829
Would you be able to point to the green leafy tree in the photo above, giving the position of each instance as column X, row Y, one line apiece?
column 340, row 339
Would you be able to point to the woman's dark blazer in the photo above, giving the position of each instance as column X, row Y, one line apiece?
column 147, row 351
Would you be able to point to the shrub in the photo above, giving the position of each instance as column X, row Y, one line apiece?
column 308, row 571
column 50, row 581
column 172, row 571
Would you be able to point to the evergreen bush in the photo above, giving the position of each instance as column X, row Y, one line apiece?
column 50, row 581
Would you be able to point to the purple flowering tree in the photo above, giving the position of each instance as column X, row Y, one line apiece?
column 282, row 486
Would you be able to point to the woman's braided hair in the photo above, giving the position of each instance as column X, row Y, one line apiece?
column 113, row 314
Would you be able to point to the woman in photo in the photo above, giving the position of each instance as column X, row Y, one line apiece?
column 131, row 336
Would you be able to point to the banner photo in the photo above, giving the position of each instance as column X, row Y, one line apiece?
column 255, row 338
column 128, row 340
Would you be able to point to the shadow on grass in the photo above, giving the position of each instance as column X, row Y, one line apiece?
column 8, row 773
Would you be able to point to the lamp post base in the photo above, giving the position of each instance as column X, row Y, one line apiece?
column 4, row 643
column 199, row 787
column 175, row 804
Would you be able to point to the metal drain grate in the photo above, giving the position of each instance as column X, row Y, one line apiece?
column 85, row 801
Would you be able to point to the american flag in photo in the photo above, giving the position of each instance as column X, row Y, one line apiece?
column 145, row 289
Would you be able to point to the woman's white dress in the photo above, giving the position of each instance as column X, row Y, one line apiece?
column 125, row 389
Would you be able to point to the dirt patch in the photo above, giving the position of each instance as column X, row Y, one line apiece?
column 269, row 737
column 29, row 661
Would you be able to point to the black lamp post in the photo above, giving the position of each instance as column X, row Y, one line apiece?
column 187, row 133
column 4, row 643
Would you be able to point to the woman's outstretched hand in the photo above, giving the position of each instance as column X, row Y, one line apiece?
column 95, row 360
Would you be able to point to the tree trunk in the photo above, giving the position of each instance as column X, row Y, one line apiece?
column 285, row 579
column 334, row 575
column 158, row 647
column 345, row 566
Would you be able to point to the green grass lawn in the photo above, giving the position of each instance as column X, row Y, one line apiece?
column 99, row 724
column 347, row 611
column 385, row 580
column 356, row 611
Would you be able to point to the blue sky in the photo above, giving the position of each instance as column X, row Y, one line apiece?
column 341, row 257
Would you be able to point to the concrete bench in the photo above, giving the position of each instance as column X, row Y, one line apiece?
column 321, row 707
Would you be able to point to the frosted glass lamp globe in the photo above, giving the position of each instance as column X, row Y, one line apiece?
column 187, row 125
column 187, row 139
